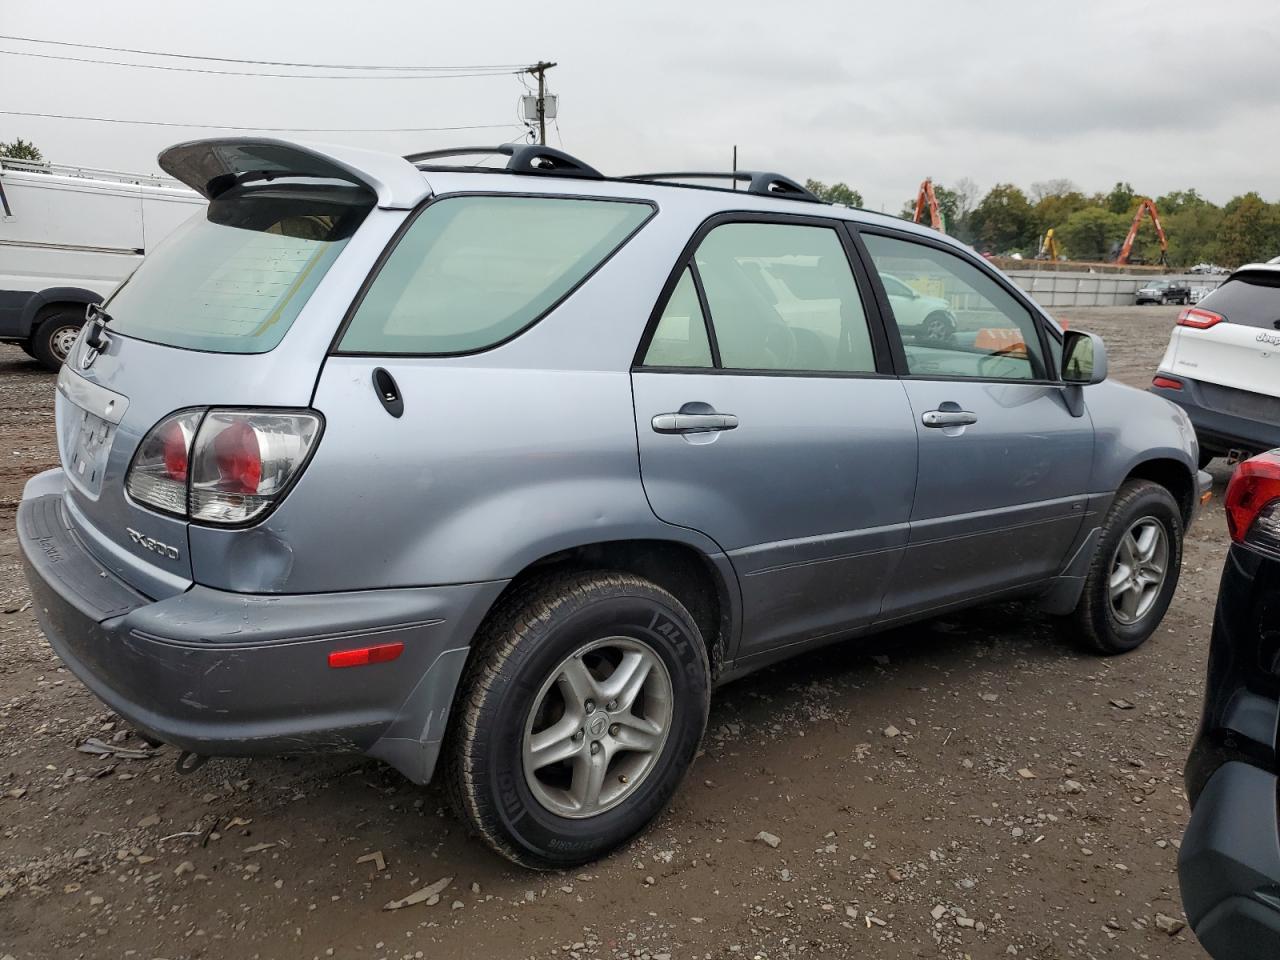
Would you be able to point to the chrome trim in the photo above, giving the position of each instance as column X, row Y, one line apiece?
column 87, row 395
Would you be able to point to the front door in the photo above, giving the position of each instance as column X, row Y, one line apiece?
column 768, row 420
column 1004, row 464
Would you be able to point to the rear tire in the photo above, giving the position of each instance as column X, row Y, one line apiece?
column 538, row 685
column 52, row 340
column 1134, row 572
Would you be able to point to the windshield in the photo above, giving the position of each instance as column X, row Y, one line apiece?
column 234, row 280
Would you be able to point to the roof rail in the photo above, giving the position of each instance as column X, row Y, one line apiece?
column 528, row 158
column 758, row 182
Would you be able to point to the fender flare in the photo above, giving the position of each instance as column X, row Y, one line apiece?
column 47, row 297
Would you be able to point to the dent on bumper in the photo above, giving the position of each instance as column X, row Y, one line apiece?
column 233, row 674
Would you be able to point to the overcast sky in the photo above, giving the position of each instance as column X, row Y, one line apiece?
column 1166, row 95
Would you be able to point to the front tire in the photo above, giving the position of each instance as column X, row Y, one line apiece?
column 1134, row 572
column 582, row 706
column 938, row 327
column 52, row 341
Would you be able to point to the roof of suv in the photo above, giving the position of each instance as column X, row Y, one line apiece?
column 213, row 166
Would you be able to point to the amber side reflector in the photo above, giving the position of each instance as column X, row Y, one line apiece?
column 361, row 656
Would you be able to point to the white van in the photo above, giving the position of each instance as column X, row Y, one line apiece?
column 68, row 236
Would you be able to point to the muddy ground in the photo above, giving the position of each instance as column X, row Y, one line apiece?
column 1030, row 805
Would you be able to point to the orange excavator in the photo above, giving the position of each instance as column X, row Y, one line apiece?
column 1146, row 206
column 926, row 197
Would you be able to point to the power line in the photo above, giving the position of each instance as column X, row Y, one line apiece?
column 499, row 67
column 253, row 73
column 216, row 126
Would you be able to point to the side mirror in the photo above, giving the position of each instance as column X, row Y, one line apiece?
column 1084, row 358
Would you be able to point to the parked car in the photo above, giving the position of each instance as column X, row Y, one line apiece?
column 506, row 470
column 1229, row 864
column 69, row 236
column 1163, row 291
column 1223, row 364
column 919, row 317
column 1200, row 268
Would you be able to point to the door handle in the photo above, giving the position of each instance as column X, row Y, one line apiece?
column 948, row 418
column 693, row 422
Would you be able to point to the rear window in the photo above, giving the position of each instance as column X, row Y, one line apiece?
column 1252, row 299
column 471, row 272
column 234, row 279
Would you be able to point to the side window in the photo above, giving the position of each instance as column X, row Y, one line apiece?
column 781, row 297
column 955, row 320
column 472, row 271
column 680, row 339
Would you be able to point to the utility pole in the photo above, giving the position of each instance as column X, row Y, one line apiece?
column 539, row 70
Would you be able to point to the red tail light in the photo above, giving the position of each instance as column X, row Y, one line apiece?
column 1199, row 319
column 239, row 458
column 221, row 466
column 175, row 441
column 1169, row 383
column 1253, row 501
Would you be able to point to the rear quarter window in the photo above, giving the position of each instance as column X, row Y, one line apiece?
column 1252, row 300
column 473, row 271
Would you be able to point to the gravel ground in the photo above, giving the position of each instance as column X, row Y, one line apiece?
column 969, row 787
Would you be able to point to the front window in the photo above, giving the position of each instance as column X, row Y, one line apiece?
column 473, row 271
column 234, row 279
column 957, row 321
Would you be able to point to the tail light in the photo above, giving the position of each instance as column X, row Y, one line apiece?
column 221, row 466
column 1168, row 383
column 158, row 476
column 1199, row 319
column 1253, row 502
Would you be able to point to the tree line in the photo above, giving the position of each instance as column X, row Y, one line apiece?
column 1091, row 227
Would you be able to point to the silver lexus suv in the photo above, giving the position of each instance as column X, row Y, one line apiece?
column 503, row 468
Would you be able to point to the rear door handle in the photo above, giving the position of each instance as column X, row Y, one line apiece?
column 693, row 422
column 948, row 418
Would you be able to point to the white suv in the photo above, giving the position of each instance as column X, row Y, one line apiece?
column 1223, row 364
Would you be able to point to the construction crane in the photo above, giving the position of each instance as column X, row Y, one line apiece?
column 1146, row 206
column 1049, row 247
column 923, row 197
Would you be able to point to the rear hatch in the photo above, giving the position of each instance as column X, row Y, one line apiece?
column 237, row 308
column 1232, row 337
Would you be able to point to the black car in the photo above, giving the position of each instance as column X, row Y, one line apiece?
column 1163, row 291
column 1229, row 865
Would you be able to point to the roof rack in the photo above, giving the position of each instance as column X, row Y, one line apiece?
column 536, row 159
column 526, row 158
column 759, row 182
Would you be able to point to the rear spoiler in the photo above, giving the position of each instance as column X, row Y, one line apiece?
column 211, row 167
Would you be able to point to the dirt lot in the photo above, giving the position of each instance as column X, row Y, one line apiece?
column 1031, row 800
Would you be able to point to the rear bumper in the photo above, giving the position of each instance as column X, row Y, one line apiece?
column 1229, row 865
column 222, row 673
column 1220, row 432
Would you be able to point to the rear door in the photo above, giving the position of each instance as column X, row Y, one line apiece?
column 1242, row 350
column 1004, row 465
column 769, row 420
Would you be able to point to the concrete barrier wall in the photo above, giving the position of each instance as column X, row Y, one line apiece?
column 1061, row 289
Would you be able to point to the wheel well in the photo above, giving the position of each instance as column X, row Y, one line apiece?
column 58, row 306
column 1174, row 477
column 676, row 567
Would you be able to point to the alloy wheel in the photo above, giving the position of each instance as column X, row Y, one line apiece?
column 1138, row 570
column 597, row 727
